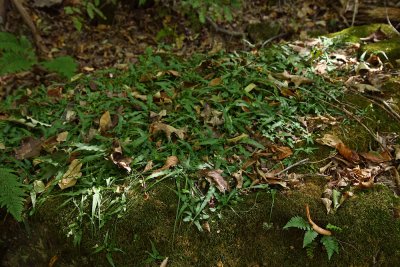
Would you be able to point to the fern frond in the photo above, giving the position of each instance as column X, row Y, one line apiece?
column 297, row 222
column 310, row 250
column 65, row 66
column 12, row 193
column 334, row 228
column 11, row 62
column 309, row 237
column 331, row 245
column 9, row 42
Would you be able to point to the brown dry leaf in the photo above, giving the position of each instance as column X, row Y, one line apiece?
column 105, row 122
column 174, row 73
column 29, row 148
column 119, row 159
column 171, row 161
column 282, row 152
column 214, row 176
column 239, row 178
column 206, row 226
column 167, row 129
column 328, row 204
column 62, row 137
column 397, row 152
column 329, row 140
column 296, row 79
column 215, row 81
column 347, row 153
column 376, row 157
column 71, row 175
column 149, row 166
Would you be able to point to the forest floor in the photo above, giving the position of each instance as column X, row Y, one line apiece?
column 204, row 147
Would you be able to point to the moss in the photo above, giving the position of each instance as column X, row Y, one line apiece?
column 391, row 48
column 353, row 34
column 240, row 239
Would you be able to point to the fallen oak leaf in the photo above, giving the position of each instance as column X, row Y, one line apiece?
column 118, row 159
column 171, row 161
column 329, row 140
column 347, row 153
column 239, row 178
column 29, row 148
column 215, row 81
column 167, row 129
column 71, row 175
column 376, row 157
column 105, row 122
column 314, row 226
column 214, row 176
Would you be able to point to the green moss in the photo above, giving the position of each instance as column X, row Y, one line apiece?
column 391, row 48
column 239, row 238
column 353, row 34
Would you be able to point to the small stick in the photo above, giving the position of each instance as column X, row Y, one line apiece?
column 314, row 226
column 291, row 166
column 222, row 30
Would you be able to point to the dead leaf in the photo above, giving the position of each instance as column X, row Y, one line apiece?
column 105, row 122
column 376, row 157
column 149, row 166
column 329, row 140
column 206, row 226
column 29, row 148
column 71, row 175
column 397, row 152
column 215, row 81
column 167, row 129
column 170, row 162
column 282, row 152
column 239, row 178
column 347, row 153
column 214, row 176
column 62, row 137
column 119, row 159
column 328, row 204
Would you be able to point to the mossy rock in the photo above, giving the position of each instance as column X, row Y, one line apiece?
column 353, row 34
column 370, row 231
column 390, row 46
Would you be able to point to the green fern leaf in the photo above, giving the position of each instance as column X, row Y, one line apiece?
column 334, row 228
column 331, row 245
column 297, row 222
column 65, row 66
column 11, row 62
column 310, row 250
column 9, row 42
column 12, row 193
column 309, row 237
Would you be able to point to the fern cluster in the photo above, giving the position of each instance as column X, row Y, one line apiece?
column 330, row 243
column 17, row 54
column 12, row 193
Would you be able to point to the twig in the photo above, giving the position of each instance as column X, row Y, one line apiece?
column 225, row 31
column 389, row 110
column 355, row 12
column 272, row 38
column 25, row 16
column 388, row 20
column 291, row 166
